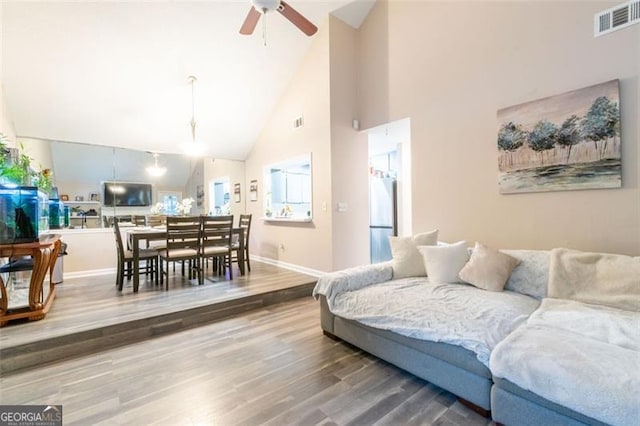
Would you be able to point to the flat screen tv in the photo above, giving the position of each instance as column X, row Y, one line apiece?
column 122, row 194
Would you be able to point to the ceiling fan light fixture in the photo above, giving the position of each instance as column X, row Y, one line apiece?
column 156, row 170
column 264, row 6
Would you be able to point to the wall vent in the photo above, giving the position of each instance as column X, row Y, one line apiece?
column 299, row 122
column 616, row 18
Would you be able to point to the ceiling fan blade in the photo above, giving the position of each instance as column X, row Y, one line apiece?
column 297, row 19
column 250, row 22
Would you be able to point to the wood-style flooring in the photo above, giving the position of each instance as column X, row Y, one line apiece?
column 90, row 314
column 270, row 366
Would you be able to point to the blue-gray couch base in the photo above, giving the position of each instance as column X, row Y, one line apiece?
column 450, row 367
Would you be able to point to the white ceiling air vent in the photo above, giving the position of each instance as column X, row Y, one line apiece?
column 298, row 122
column 616, row 18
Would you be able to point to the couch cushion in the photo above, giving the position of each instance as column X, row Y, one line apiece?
column 443, row 263
column 511, row 404
column 458, row 314
column 407, row 261
column 531, row 276
column 599, row 278
column 487, row 268
column 581, row 356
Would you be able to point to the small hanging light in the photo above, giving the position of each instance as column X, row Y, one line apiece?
column 155, row 170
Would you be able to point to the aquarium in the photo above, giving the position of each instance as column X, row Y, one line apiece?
column 24, row 213
column 56, row 214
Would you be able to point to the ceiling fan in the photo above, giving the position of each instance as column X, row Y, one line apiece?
column 261, row 7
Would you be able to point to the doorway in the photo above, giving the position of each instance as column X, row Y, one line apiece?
column 389, row 186
column 219, row 203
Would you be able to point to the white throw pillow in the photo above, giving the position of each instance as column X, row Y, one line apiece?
column 443, row 263
column 487, row 268
column 531, row 276
column 407, row 261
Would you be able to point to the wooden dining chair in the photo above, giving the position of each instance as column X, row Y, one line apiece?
column 125, row 260
column 138, row 220
column 245, row 224
column 183, row 244
column 215, row 241
column 155, row 220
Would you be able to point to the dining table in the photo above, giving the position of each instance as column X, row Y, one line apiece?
column 137, row 235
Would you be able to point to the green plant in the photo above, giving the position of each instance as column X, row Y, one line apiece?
column 43, row 181
column 4, row 150
column 19, row 172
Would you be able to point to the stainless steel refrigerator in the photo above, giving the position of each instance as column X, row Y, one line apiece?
column 383, row 213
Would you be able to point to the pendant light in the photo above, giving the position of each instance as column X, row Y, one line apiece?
column 155, row 170
column 193, row 148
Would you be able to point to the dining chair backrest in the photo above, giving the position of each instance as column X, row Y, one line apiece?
column 183, row 232
column 138, row 220
column 245, row 224
column 216, row 231
column 119, row 245
column 155, row 220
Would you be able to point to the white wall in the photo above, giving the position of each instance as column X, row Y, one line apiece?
column 451, row 66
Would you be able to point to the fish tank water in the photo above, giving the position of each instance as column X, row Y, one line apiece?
column 24, row 214
column 56, row 214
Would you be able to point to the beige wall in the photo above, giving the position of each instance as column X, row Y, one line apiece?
column 349, row 153
column 40, row 151
column 190, row 188
column 215, row 169
column 6, row 124
column 373, row 68
column 451, row 66
column 305, row 244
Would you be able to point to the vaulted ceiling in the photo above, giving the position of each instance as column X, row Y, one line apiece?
column 115, row 73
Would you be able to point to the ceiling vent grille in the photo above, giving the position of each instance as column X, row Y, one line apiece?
column 616, row 18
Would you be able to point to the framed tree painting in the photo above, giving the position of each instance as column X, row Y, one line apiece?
column 564, row 142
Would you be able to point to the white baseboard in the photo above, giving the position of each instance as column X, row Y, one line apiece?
column 279, row 263
column 290, row 266
column 90, row 273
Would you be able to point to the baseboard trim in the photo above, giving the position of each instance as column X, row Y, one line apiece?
column 89, row 273
column 290, row 266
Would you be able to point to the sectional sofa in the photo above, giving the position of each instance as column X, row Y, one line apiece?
column 556, row 342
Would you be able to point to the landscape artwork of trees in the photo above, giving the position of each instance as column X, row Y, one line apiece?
column 564, row 142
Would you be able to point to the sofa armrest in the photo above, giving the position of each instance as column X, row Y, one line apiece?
column 334, row 283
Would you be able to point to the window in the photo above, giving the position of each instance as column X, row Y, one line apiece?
column 288, row 189
column 169, row 200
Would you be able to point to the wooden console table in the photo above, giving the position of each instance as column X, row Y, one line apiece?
column 44, row 254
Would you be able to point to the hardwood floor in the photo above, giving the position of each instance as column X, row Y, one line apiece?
column 90, row 314
column 269, row 366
